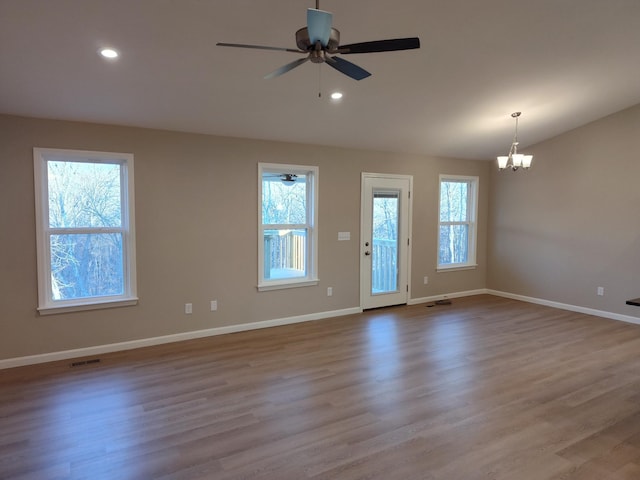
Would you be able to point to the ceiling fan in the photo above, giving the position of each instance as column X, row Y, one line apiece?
column 286, row 178
column 319, row 41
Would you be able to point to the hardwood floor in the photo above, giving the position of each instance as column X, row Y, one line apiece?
column 486, row 388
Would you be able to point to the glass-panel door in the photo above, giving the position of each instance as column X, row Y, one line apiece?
column 385, row 233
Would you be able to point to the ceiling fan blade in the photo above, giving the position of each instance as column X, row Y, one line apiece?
column 286, row 68
column 348, row 68
column 381, row 46
column 319, row 26
column 259, row 47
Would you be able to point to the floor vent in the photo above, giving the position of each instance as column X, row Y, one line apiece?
column 85, row 362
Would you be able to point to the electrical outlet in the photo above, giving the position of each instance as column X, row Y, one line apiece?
column 214, row 305
column 188, row 308
column 426, row 279
column 329, row 291
column 601, row 291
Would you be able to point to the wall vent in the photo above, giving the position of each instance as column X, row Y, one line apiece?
column 85, row 362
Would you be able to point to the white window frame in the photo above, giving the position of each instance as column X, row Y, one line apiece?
column 471, row 222
column 46, row 304
column 312, row 176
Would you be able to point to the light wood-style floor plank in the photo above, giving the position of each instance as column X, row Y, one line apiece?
column 485, row 388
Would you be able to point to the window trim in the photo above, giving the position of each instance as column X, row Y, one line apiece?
column 472, row 223
column 46, row 305
column 312, row 173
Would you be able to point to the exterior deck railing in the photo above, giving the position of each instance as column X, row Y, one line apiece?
column 285, row 254
column 384, row 270
column 284, row 257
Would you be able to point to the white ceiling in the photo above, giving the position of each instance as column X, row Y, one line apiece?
column 563, row 63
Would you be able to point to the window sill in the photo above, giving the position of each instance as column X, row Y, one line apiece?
column 457, row 268
column 265, row 287
column 87, row 306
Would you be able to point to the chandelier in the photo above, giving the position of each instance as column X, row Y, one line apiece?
column 515, row 160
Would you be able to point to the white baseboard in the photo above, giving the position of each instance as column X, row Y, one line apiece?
column 178, row 337
column 565, row 306
column 468, row 293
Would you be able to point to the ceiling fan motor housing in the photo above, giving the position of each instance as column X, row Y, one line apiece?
column 303, row 42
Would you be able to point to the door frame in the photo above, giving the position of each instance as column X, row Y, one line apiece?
column 409, row 206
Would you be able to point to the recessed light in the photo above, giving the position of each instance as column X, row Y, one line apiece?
column 336, row 95
column 109, row 53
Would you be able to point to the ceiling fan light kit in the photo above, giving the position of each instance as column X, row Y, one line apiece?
column 320, row 42
column 515, row 160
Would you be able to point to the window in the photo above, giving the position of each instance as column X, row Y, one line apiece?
column 287, row 252
column 457, row 222
column 84, row 227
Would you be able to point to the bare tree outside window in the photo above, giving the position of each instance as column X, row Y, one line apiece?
column 85, row 196
column 456, row 240
column 85, row 234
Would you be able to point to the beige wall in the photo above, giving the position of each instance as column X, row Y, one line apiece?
column 572, row 223
column 196, row 219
